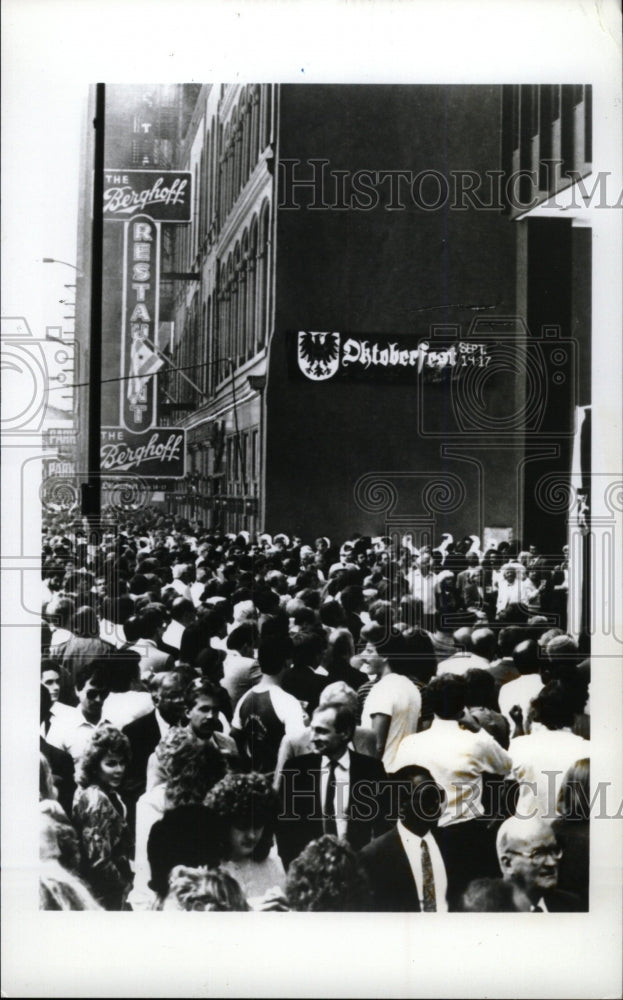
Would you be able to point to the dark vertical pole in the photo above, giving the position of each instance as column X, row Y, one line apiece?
column 91, row 503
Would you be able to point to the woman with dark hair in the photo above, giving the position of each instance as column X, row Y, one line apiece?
column 327, row 876
column 82, row 647
column 188, row 835
column 99, row 816
column 247, row 807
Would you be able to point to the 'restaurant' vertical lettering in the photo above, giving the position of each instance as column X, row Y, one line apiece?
column 140, row 323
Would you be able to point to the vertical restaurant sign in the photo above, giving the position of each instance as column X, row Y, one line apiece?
column 139, row 323
column 165, row 195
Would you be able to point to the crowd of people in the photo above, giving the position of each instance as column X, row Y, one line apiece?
column 258, row 723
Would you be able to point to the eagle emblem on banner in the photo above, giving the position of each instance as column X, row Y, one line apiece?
column 318, row 354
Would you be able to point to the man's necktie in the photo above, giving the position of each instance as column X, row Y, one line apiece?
column 330, row 826
column 429, row 903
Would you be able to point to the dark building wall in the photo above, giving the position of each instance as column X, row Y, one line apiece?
column 558, row 296
column 389, row 273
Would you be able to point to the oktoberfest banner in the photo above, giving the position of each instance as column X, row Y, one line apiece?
column 321, row 356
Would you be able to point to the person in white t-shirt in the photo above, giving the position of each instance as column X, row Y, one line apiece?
column 541, row 758
column 393, row 706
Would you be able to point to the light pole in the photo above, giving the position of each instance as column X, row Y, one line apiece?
column 55, row 260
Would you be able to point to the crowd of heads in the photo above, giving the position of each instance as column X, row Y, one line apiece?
column 354, row 612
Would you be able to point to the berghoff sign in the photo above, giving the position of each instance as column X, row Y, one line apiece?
column 322, row 355
column 157, row 453
column 164, row 195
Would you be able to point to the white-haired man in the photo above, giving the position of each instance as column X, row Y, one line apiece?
column 528, row 855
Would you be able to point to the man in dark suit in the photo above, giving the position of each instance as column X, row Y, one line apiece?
column 145, row 733
column 333, row 790
column 405, row 866
column 528, row 853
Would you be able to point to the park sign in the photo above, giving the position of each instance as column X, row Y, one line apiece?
column 164, row 195
column 63, row 438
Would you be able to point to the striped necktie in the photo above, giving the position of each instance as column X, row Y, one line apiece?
column 429, row 903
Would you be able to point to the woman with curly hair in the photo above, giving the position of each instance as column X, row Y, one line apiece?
column 60, row 888
column 99, row 816
column 247, row 807
column 327, row 875
column 203, row 888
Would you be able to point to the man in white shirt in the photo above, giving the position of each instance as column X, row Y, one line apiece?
column 405, row 866
column 458, row 758
column 541, row 759
column 393, row 706
column 520, row 692
column 73, row 730
column 332, row 790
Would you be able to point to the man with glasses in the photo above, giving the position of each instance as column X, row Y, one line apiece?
column 72, row 730
column 167, row 692
column 528, row 854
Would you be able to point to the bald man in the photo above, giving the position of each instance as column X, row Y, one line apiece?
column 528, row 855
